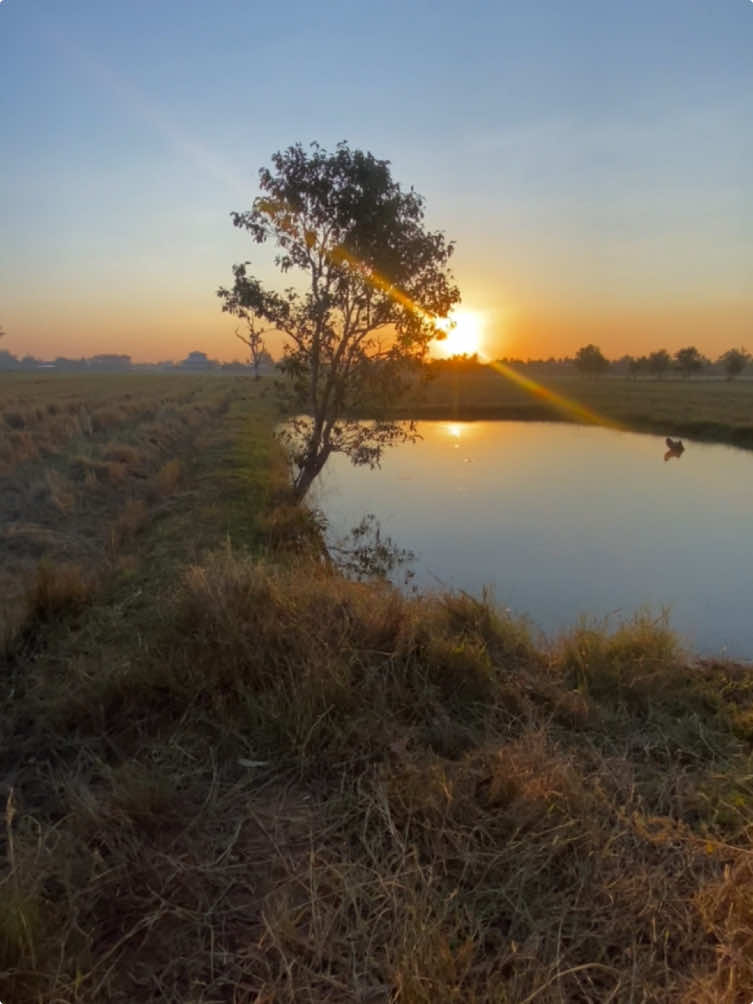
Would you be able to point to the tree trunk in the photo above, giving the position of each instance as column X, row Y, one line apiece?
column 308, row 474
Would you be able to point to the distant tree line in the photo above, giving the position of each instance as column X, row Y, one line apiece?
column 686, row 362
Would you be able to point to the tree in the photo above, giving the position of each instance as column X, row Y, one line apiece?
column 659, row 362
column 8, row 361
column 590, row 360
column 374, row 283
column 255, row 342
column 734, row 362
column 689, row 361
column 638, row 366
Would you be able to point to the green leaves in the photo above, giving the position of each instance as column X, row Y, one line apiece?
column 370, row 283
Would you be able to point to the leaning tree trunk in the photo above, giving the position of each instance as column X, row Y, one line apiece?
column 308, row 473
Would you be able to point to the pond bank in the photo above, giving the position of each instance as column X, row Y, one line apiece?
column 704, row 410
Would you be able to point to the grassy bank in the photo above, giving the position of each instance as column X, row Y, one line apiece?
column 229, row 774
column 709, row 410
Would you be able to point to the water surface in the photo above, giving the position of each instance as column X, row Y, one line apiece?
column 563, row 520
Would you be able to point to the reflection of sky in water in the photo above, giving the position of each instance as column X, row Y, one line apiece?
column 562, row 519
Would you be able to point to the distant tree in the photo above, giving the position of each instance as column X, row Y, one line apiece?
column 689, row 360
column 734, row 362
column 659, row 362
column 622, row 364
column 254, row 340
column 8, row 361
column 590, row 360
column 638, row 366
column 375, row 282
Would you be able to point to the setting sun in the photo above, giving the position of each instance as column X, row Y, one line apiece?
column 464, row 338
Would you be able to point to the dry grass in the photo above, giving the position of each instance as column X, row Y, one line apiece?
column 130, row 521
column 166, row 480
column 78, row 447
column 122, row 453
column 308, row 789
column 244, row 779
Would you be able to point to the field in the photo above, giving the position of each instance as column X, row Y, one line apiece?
column 714, row 410
column 86, row 463
column 229, row 774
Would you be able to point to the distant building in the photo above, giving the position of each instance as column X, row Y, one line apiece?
column 196, row 361
column 110, row 361
column 62, row 363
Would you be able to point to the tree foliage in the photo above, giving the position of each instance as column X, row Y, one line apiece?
column 734, row 362
column 589, row 359
column 373, row 282
column 689, row 361
column 637, row 365
column 659, row 363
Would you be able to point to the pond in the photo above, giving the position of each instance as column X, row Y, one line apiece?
column 562, row 520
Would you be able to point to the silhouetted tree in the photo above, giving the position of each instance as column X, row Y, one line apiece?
column 638, row 366
column 659, row 362
column 375, row 282
column 590, row 360
column 254, row 340
column 689, row 361
column 734, row 362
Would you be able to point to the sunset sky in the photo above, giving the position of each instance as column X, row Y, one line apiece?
column 592, row 160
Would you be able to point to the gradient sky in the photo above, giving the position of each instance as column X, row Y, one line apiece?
column 592, row 160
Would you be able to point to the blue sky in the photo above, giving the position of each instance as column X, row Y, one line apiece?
column 593, row 161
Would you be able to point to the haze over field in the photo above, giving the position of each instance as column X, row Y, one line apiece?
column 590, row 160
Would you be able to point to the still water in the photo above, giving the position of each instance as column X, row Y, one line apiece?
column 564, row 520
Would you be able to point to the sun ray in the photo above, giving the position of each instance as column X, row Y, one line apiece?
column 565, row 405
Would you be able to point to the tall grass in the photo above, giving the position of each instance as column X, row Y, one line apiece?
column 310, row 789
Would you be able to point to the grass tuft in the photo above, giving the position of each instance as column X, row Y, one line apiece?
column 58, row 590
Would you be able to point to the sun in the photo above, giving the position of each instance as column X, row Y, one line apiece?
column 465, row 338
